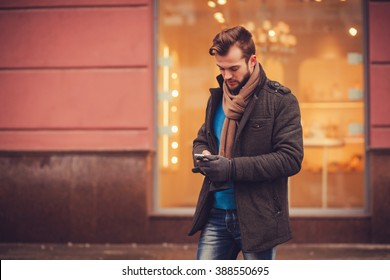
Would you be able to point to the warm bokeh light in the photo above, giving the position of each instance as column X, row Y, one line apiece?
column 353, row 31
column 175, row 145
column 219, row 17
column 211, row 4
column 175, row 93
column 174, row 160
column 272, row 33
column 174, row 129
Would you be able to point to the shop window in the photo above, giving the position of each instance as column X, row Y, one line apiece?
column 313, row 47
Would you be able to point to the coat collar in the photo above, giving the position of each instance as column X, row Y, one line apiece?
column 220, row 80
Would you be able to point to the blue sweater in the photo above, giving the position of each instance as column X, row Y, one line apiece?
column 222, row 199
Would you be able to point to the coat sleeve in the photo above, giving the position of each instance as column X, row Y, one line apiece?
column 200, row 143
column 287, row 147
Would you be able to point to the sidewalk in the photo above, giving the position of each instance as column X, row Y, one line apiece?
column 168, row 251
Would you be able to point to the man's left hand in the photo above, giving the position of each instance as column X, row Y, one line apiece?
column 217, row 168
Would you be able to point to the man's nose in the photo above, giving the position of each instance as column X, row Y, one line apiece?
column 227, row 75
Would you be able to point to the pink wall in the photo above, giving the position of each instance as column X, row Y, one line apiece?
column 76, row 75
column 379, row 74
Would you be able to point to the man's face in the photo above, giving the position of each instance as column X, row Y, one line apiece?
column 234, row 69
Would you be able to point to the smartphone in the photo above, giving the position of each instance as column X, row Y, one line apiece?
column 199, row 156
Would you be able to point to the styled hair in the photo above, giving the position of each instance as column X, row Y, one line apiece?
column 228, row 37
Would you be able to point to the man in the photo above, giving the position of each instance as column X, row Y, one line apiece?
column 252, row 142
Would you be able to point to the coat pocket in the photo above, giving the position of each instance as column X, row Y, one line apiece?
column 277, row 203
column 257, row 136
column 259, row 123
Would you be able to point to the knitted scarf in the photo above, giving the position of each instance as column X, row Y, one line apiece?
column 234, row 107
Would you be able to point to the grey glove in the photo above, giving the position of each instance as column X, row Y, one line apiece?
column 217, row 168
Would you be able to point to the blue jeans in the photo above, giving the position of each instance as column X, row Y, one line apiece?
column 221, row 239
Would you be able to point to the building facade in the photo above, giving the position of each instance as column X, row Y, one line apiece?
column 83, row 131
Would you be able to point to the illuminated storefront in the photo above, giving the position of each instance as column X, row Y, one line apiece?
column 313, row 47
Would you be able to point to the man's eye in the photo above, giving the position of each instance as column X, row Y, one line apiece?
column 234, row 69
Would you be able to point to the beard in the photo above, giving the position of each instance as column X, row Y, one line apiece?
column 237, row 89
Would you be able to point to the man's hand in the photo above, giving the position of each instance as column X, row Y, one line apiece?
column 196, row 169
column 217, row 168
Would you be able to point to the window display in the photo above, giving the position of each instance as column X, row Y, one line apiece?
column 313, row 47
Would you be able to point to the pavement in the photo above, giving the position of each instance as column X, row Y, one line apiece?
column 169, row 251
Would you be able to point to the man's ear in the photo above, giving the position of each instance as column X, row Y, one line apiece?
column 253, row 60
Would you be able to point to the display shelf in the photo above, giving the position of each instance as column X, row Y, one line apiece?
column 325, row 175
column 320, row 142
column 325, row 144
column 332, row 105
column 345, row 189
column 354, row 140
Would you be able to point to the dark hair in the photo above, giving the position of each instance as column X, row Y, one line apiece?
column 230, row 36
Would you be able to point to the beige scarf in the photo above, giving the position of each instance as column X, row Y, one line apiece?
column 234, row 107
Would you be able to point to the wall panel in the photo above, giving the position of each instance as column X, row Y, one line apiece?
column 76, row 75
column 93, row 99
column 89, row 37
column 380, row 97
column 380, row 137
column 72, row 3
column 379, row 90
column 379, row 35
column 379, row 73
column 76, row 140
